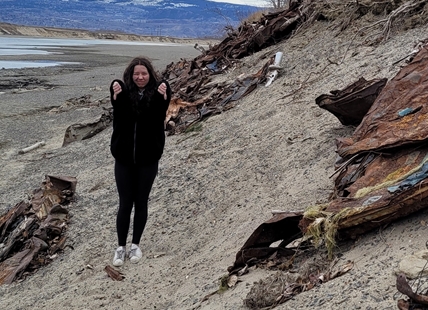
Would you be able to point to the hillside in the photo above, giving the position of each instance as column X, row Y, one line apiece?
column 274, row 150
column 50, row 32
column 184, row 18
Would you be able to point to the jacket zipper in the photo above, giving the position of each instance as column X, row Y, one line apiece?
column 135, row 141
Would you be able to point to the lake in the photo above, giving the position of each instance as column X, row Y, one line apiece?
column 18, row 46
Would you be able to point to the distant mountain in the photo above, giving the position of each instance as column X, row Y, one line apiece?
column 183, row 18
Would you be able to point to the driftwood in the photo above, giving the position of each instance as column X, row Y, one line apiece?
column 113, row 273
column 32, row 147
column 32, row 232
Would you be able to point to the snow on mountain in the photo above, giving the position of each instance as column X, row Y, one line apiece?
column 185, row 18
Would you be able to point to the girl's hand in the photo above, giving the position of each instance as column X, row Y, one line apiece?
column 116, row 90
column 162, row 90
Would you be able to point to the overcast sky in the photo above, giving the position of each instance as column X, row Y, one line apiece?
column 247, row 2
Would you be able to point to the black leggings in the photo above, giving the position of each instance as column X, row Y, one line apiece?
column 133, row 184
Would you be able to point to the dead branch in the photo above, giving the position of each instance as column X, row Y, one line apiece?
column 113, row 273
column 404, row 288
column 357, row 33
column 403, row 9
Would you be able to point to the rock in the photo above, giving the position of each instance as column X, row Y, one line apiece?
column 414, row 265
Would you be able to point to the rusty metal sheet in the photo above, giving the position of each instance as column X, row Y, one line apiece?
column 282, row 226
column 399, row 115
column 9, row 217
column 32, row 232
column 83, row 131
column 199, row 100
column 383, row 173
column 14, row 266
column 352, row 103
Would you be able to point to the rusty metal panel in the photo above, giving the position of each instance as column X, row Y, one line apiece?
column 30, row 233
column 399, row 115
column 352, row 103
column 383, row 175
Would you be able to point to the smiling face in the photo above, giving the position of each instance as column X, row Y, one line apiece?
column 140, row 76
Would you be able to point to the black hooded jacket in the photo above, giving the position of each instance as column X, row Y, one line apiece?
column 138, row 133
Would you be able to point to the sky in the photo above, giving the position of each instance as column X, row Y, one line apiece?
column 260, row 3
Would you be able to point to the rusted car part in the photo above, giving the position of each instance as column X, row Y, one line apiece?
column 383, row 177
column 417, row 301
column 31, row 233
column 82, row 131
column 353, row 102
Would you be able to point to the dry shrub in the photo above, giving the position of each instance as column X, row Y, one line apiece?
column 264, row 293
column 255, row 17
column 281, row 286
column 343, row 14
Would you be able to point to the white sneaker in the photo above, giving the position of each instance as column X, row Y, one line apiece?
column 135, row 253
column 119, row 256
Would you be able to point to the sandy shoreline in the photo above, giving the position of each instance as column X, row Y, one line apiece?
column 274, row 150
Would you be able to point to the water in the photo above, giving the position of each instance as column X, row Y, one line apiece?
column 21, row 46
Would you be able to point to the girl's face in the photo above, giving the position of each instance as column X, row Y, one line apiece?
column 141, row 76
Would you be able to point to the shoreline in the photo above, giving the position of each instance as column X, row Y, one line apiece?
column 7, row 29
column 46, row 51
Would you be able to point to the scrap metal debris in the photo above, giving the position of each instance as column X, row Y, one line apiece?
column 32, row 232
column 283, row 226
column 197, row 93
column 352, row 103
column 385, row 180
column 83, row 131
column 382, row 174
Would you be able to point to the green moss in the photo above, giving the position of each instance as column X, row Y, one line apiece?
column 223, row 287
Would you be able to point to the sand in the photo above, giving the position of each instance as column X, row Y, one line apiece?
column 274, row 150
